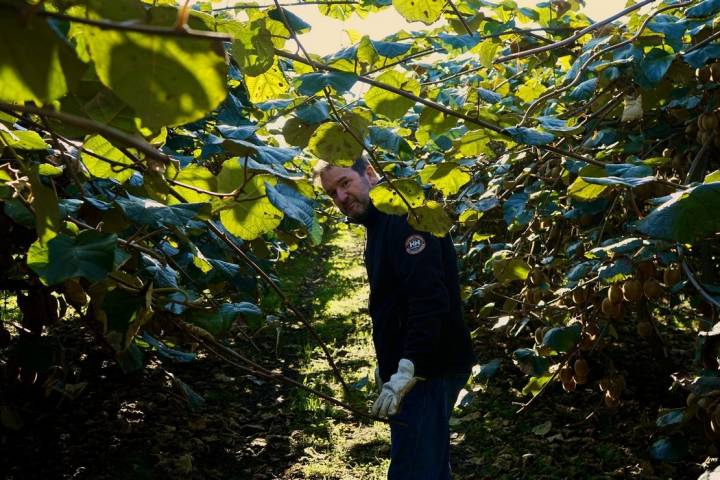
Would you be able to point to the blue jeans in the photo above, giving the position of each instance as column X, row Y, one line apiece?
column 420, row 449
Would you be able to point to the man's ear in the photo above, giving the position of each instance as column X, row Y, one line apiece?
column 371, row 175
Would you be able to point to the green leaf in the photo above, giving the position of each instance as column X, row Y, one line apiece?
column 50, row 170
column 89, row 255
column 388, row 201
column 251, row 214
column 435, row 121
column 562, row 339
column 166, row 80
column 145, row 211
column 426, row 11
column 47, row 212
column 218, row 321
column 704, row 9
column 673, row 417
column 332, row 143
column 196, row 176
column 32, row 60
column 584, row 191
column 102, row 169
column 311, row 83
column 712, row 177
column 687, row 216
column 296, row 23
column 448, row 177
column 253, row 48
column 507, row 270
column 430, row 217
column 388, row 104
column 486, row 51
column 529, row 361
column 529, row 136
column 654, row 67
column 669, row 449
column 533, row 387
column 268, row 85
column 295, row 206
column 297, row 133
column 23, row 140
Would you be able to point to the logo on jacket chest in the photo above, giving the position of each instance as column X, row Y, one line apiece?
column 414, row 244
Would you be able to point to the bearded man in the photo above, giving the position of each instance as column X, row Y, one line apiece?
column 423, row 348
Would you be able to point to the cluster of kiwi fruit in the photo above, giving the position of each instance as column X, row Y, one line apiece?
column 534, row 292
column 706, row 129
column 572, row 376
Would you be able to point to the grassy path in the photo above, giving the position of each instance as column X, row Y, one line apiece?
column 333, row 285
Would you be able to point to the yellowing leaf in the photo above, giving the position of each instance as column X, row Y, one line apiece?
column 506, row 270
column 426, row 11
column 432, row 218
column 584, row 191
column 448, row 177
column 251, row 214
column 196, row 176
column 268, row 85
column 387, row 200
column 166, row 80
column 332, row 143
column 486, row 51
column 101, row 168
column 388, row 104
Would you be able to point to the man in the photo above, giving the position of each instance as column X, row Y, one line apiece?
column 422, row 345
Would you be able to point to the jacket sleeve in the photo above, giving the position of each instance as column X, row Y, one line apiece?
column 417, row 259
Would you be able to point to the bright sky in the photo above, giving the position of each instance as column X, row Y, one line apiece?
column 328, row 36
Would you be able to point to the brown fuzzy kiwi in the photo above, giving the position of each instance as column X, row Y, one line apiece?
column 537, row 277
column 644, row 329
column 607, row 307
column 28, row 376
column 74, row 293
column 715, row 72
column 566, row 374
column 646, row 269
column 671, row 276
column 652, row 288
column 570, row 385
column 703, row 74
column 611, row 402
column 604, row 384
column 632, row 290
column 708, row 121
column 582, row 369
column 579, row 296
column 615, row 293
column 539, row 334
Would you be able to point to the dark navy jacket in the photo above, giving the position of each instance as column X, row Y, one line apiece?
column 415, row 301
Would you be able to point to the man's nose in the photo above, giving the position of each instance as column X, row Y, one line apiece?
column 341, row 196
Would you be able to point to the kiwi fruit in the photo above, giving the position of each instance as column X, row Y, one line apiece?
column 646, row 269
column 652, row 288
column 632, row 290
column 703, row 74
column 615, row 293
column 644, row 329
column 715, row 72
column 671, row 276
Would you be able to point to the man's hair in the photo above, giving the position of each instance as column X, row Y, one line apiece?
column 359, row 165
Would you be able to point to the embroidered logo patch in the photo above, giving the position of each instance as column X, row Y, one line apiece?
column 414, row 244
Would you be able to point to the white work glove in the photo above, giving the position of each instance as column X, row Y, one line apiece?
column 378, row 380
column 392, row 393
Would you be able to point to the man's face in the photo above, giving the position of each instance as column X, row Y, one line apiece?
column 348, row 189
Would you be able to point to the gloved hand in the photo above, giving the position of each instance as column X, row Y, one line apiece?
column 392, row 393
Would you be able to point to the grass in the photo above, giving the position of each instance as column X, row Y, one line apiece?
column 333, row 284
